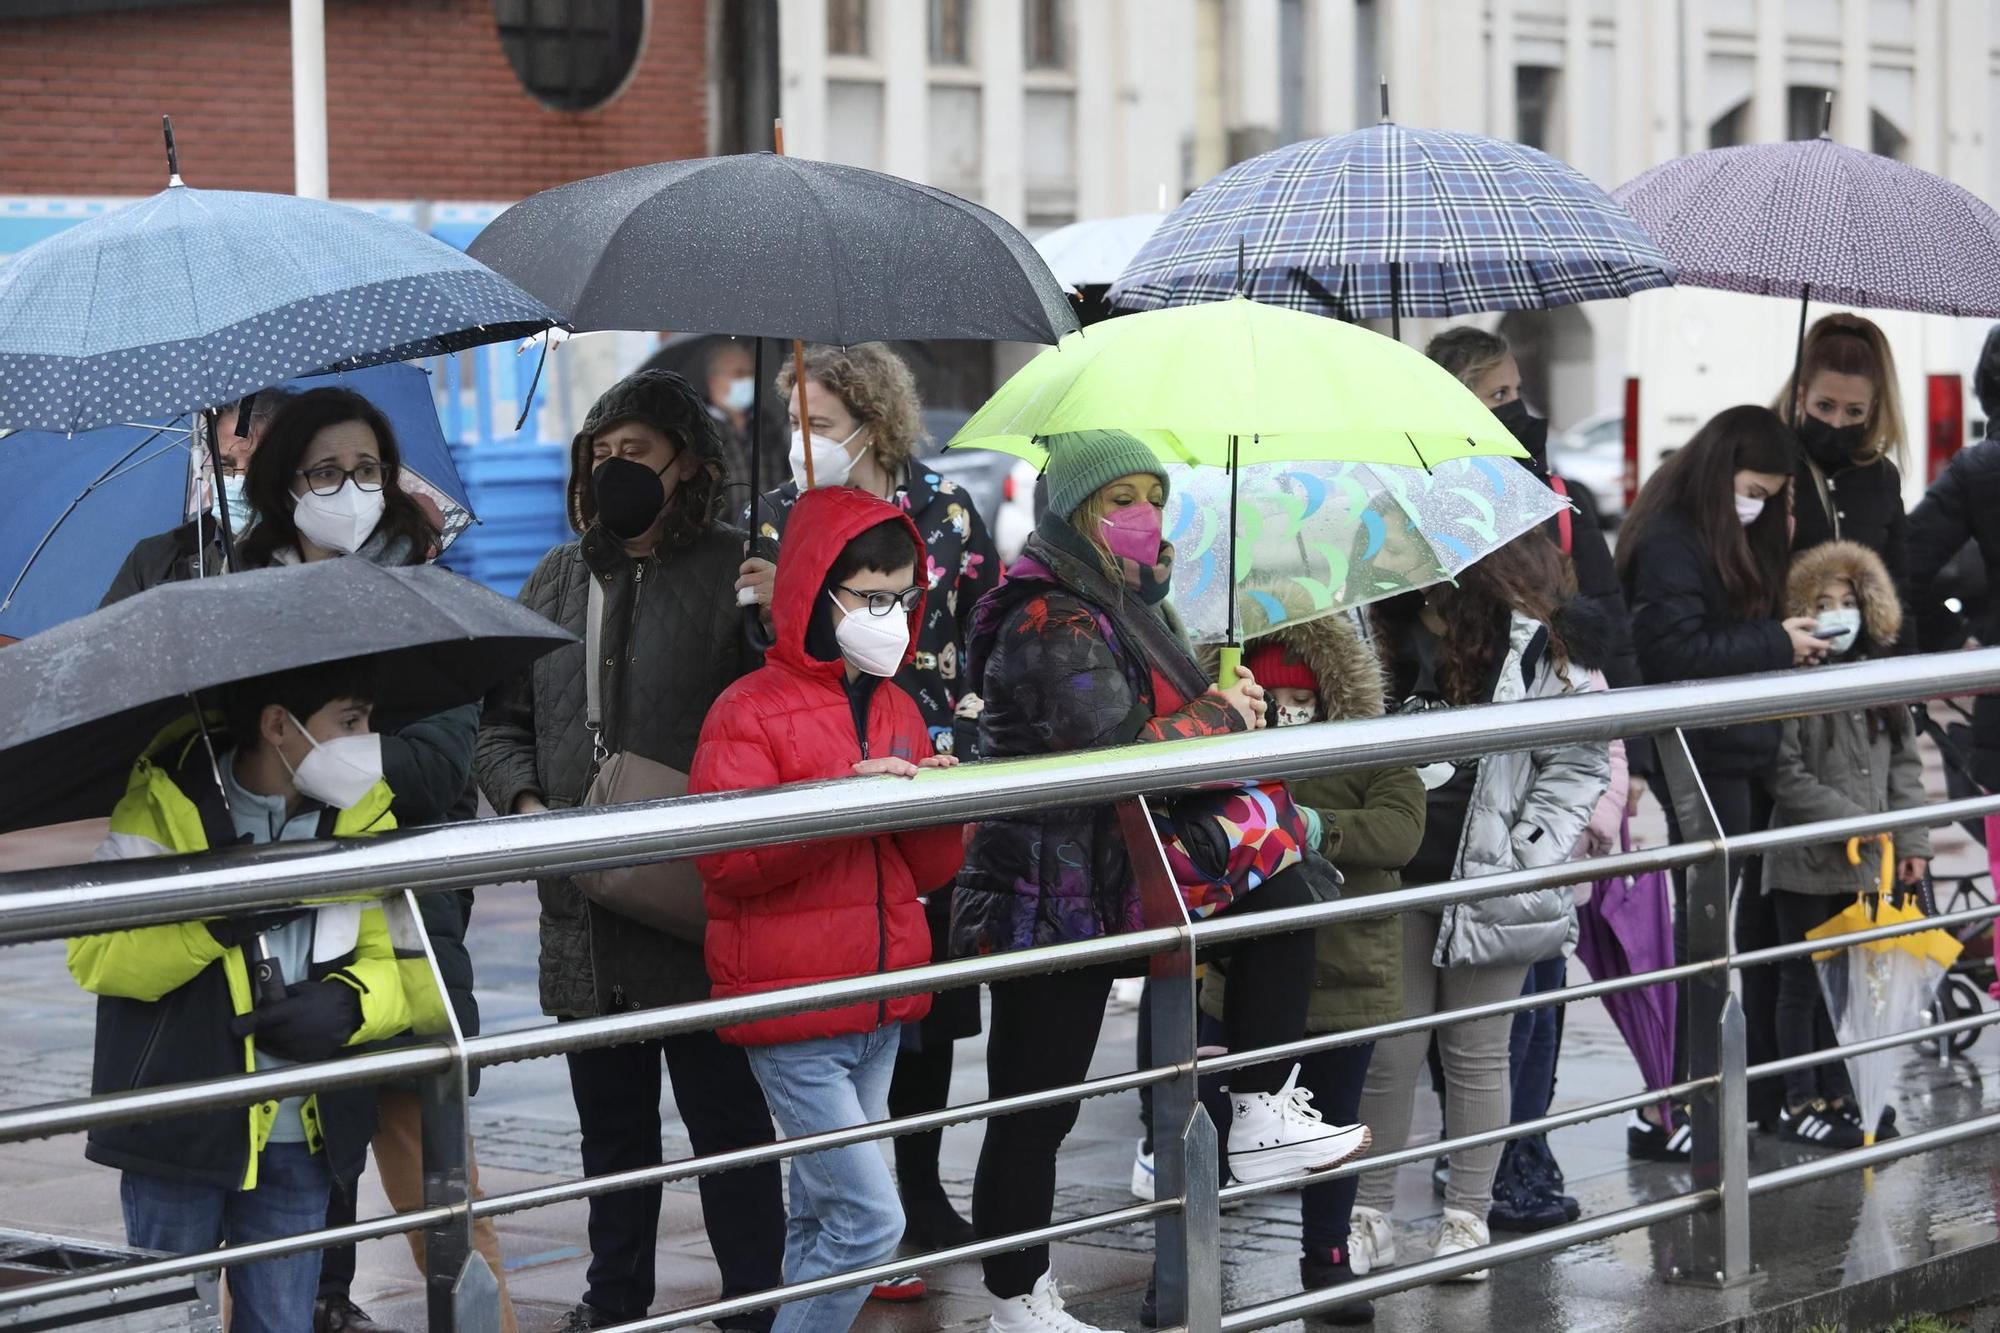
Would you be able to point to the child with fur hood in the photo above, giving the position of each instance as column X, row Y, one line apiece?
column 1840, row 765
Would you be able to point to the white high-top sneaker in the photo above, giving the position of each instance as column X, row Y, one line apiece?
column 1371, row 1241
column 1144, row 1174
column 1457, row 1232
column 1279, row 1134
column 1040, row 1311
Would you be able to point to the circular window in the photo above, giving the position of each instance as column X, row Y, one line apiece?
column 572, row 55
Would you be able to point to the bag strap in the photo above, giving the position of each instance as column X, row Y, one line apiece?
column 1563, row 515
column 593, row 666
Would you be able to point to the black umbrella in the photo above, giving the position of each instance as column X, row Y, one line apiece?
column 767, row 246
column 84, row 699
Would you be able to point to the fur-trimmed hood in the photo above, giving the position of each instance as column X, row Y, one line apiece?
column 1349, row 675
column 1881, row 610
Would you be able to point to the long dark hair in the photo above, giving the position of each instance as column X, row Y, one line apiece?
column 268, row 483
column 1697, row 486
column 1528, row 575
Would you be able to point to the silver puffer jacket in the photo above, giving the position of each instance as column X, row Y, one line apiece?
column 1527, row 810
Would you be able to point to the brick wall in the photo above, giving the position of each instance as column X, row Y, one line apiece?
column 421, row 102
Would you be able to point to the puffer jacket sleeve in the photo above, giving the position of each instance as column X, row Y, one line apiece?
column 504, row 751
column 145, row 963
column 374, row 975
column 1797, row 794
column 735, row 755
column 1569, row 781
column 1385, row 831
column 427, row 762
column 1673, row 632
column 1906, row 790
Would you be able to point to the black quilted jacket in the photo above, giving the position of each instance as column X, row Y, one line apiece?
column 675, row 637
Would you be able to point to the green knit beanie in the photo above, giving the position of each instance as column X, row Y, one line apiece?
column 1083, row 462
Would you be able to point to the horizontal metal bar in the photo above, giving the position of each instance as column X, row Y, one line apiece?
column 543, row 1196
column 48, row 904
column 1813, row 1059
column 1858, row 1159
column 1420, row 1152
column 1403, row 1027
column 1936, row 815
column 1778, row 953
column 1303, row 1306
column 716, row 1311
column 122, row 1275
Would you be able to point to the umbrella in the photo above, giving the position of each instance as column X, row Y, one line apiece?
column 1094, row 252
column 194, row 298
column 1881, row 987
column 1815, row 219
column 1236, row 382
column 1626, row 928
column 1313, row 539
column 1390, row 221
column 74, row 505
column 85, row 698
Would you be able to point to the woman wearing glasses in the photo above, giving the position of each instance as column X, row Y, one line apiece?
column 865, row 429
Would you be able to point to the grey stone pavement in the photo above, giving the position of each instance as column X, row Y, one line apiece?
column 1809, row 1239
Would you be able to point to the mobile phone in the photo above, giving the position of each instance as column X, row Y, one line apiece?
column 1828, row 635
column 267, row 976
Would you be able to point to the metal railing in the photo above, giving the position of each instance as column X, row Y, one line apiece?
column 43, row 905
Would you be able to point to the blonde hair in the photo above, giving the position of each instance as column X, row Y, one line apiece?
column 878, row 390
column 1468, row 352
column 1850, row 345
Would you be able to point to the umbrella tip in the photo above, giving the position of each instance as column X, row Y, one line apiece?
column 1826, row 116
column 1385, row 101
column 173, row 154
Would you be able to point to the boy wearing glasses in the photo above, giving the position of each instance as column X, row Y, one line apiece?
column 844, row 605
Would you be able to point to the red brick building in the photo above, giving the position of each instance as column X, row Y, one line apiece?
column 423, row 99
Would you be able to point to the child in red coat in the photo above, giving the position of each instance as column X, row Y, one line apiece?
column 846, row 602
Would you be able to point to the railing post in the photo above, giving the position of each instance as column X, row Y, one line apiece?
column 1718, row 1239
column 1177, row 1246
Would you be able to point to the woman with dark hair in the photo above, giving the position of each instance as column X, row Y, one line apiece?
column 644, row 484
column 1498, row 634
column 1703, row 556
column 324, row 483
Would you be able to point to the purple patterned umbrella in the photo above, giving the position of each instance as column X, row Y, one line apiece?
column 1389, row 221
column 1624, row 929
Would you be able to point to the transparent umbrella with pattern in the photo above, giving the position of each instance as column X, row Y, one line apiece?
column 1313, row 539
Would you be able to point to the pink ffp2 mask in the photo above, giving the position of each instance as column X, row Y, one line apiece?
column 1133, row 533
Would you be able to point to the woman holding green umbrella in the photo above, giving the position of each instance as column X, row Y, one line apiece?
column 1078, row 648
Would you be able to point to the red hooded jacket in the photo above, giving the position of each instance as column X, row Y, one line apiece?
column 819, row 911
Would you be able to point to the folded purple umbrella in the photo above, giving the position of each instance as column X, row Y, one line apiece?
column 1627, row 928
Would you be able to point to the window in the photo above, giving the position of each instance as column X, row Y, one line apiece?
column 1535, row 91
column 572, row 55
column 951, row 32
column 847, row 27
column 1805, row 111
column 1048, row 35
column 1731, row 128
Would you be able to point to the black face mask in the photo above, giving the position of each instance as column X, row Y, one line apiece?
column 629, row 497
column 1832, row 447
column 1532, row 431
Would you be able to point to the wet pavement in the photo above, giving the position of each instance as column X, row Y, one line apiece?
column 1841, row 1233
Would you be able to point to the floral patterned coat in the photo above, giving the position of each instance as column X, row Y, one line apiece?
column 1065, row 662
column 963, row 567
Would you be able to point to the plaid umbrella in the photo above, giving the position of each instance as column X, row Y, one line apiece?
column 1393, row 221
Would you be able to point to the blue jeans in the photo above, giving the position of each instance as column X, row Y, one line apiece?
column 844, row 1210
column 1531, row 1047
column 272, row 1295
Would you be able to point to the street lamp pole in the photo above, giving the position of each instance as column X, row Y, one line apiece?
column 309, row 98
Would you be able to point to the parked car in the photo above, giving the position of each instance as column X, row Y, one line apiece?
column 1592, row 454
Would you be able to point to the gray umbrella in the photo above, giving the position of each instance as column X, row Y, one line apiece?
column 778, row 247
column 85, row 699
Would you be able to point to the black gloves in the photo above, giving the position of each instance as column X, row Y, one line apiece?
column 312, row 1022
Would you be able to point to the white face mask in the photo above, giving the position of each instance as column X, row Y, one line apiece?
column 1749, row 508
column 342, row 521
column 238, row 504
column 1848, row 621
column 1292, row 717
column 338, row 772
column 874, row 644
column 741, row 394
column 831, row 461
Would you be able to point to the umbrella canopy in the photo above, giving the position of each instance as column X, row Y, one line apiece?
column 1094, row 252
column 1817, row 220
column 761, row 245
column 74, row 505
column 85, row 698
column 1387, row 221
column 193, row 298
column 1626, row 928
column 1275, row 385
column 1313, row 539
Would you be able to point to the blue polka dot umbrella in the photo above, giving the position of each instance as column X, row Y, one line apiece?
column 193, row 298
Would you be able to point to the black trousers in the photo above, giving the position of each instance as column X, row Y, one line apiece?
column 617, row 1094
column 1803, row 1025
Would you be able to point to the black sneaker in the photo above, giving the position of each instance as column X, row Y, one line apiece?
column 1321, row 1269
column 586, row 1317
column 1649, row 1142
column 1817, row 1126
column 1885, row 1128
column 338, row 1314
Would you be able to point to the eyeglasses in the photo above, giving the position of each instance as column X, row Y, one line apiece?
column 882, row 603
column 328, row 478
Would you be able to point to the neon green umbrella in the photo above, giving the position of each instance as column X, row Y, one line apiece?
column 1235, row 382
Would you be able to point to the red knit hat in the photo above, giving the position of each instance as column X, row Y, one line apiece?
column 1277, row 669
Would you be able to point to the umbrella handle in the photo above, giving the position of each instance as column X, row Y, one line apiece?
column 1225, row 672
column 1888, row 870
